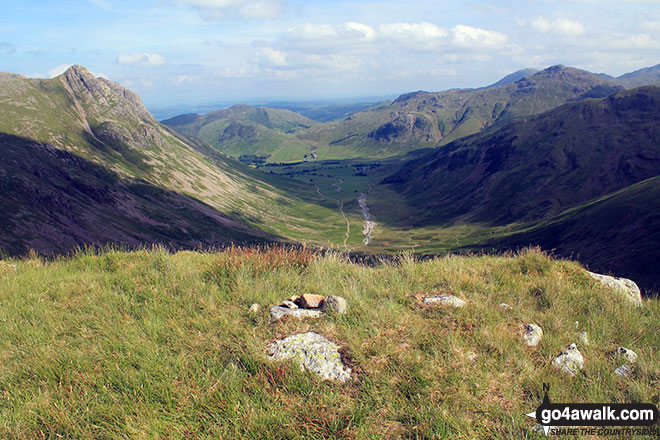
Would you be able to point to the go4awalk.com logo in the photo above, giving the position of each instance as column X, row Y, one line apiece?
column 596, row 418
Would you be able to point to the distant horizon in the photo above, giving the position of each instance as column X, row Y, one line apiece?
column 190, row 52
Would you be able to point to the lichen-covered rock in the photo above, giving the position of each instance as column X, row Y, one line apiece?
column 626, row 354
column 278, row 312
column 623, row 371
column 533, row 334
column 570, row 361
column 583, row 337
column 335, row 304
column 446, row 300
column 313, row 352
column 622, row 285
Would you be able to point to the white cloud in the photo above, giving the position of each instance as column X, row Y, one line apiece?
column 650, row 26
column 56, row 71
column 413, row 32
column 141, row 59
column 470, row 37
column 271, row 57
column 248, row 9
column 563, row 27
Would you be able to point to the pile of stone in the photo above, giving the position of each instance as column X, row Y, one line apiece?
column 309, row 305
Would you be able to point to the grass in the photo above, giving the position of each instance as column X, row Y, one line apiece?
column 147, row 344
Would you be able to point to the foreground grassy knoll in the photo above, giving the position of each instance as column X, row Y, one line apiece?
column 149, row 344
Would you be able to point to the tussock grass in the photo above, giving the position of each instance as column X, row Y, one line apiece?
column 148, row 344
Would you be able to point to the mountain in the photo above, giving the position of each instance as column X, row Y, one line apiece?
column 580, row 179
column 641, row 77
column 85, row 162
column 537, row 166
column 513, row 77
column 254, row 133
column 412, row 121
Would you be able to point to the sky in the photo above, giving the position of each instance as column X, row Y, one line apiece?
column 193, row 52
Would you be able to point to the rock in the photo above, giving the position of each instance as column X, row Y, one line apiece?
column 254, row 308
column 623, row 371
column 335, row 304
column 277, row 312
column 294, row 299
column 622, row 285
column 446, row 300
column 626, row 354
column 505, row 306
column 311, row 300
column 533, row 334
column 289, row 305
column 569, row 361
column 583, row 337
column 313, row 352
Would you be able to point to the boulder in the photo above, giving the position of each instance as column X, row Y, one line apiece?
column 311, row 300
column 624, row 286
column 278, row 312
column 623, row 371
column 626, row 354
column 570, row 361
column 313, row 352
column 445, row 300
column 533, row 334
column 335, row 304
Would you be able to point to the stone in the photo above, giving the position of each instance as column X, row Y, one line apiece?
column 311, row 300
column 626, row 354
column 294, row 299
column 583, row 337
column 313, row 352
column 254, row 308
column 278, row 312
column 446, row 300
column 289, row 304
column 505, row 306
column 570, row 361
column 626, row 287
column 335, row 304
column 533, row 334
column 623, row 371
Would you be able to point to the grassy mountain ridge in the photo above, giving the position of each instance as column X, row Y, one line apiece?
column 541, row 165
column 101, row 122
column 414, row 120
column 641, row 77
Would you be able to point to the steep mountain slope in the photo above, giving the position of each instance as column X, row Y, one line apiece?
column 538, row 166
column 251, row 132
column 513, row 77
column 617, row 232
column 149, row 175
column 641, row 77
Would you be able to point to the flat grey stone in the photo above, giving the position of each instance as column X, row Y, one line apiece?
column 626, row 354
column 533, row 334
column 623, row 371
column 313, row 352
column 446, row 300
column 622, row 285
column 570, row 360
column 277, row 312
column 335, row 304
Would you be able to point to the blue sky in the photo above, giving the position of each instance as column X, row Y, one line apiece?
column 204, row 51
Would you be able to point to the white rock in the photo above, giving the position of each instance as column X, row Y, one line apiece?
column 533, row 334
column 254, row 308
column 335, row 304
column 313, row 352
column 569, row 361
column 277, row 312
column 626, row 354
column 583, row 337
column 622, row 285
column 447, row 300
column 623, row 371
